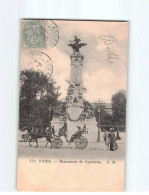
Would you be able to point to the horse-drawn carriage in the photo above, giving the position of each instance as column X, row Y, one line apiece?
column 80, row 141
column 55, row 140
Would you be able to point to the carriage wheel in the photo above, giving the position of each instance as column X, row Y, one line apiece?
column 81, row 142
column 57, row 143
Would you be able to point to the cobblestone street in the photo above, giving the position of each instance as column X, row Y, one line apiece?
column 95, row 151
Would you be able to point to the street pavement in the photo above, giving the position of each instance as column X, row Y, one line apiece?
column 95, row 151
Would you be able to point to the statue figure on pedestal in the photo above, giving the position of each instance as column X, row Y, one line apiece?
column 76, row 45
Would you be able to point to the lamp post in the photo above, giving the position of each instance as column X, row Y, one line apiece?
column 98, row 125
column 50, row 110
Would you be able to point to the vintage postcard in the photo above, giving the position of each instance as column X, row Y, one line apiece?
column 72, row 106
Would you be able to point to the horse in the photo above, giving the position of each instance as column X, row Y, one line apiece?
column 36, row 133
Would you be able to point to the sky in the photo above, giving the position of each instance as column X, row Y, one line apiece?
column 105, row 56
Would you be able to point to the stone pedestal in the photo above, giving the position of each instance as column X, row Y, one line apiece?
column 75, row 90
column 91, row 127
column 74, row 112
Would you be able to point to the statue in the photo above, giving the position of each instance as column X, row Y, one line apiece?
column 76, row 45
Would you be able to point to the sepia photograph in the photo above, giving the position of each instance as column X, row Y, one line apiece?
column 74, row 96
column 73, row 91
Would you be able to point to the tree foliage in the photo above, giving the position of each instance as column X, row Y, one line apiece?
column 105, row 118
column 119, row 108
column 87, row 104
column 37, row 93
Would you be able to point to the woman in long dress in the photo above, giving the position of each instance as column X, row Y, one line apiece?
column 118, row 135
column 113, row 143
column 106, row 139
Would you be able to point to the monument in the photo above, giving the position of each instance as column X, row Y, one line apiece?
column 75, row 90
column 76, row 113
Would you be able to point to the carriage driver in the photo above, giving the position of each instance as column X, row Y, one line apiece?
column 75, row 135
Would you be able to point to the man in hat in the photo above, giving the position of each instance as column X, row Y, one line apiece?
column 74, row 136
column 118, row 135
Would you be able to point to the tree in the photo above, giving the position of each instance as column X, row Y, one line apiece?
column 119, row 107
column 105, row 118
column 37, row 92
column 87, row 105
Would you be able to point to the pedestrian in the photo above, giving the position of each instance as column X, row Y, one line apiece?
column 53, row 131
column 113, row 143
column 118, row 135
column 106, row 139
column 84, row 128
